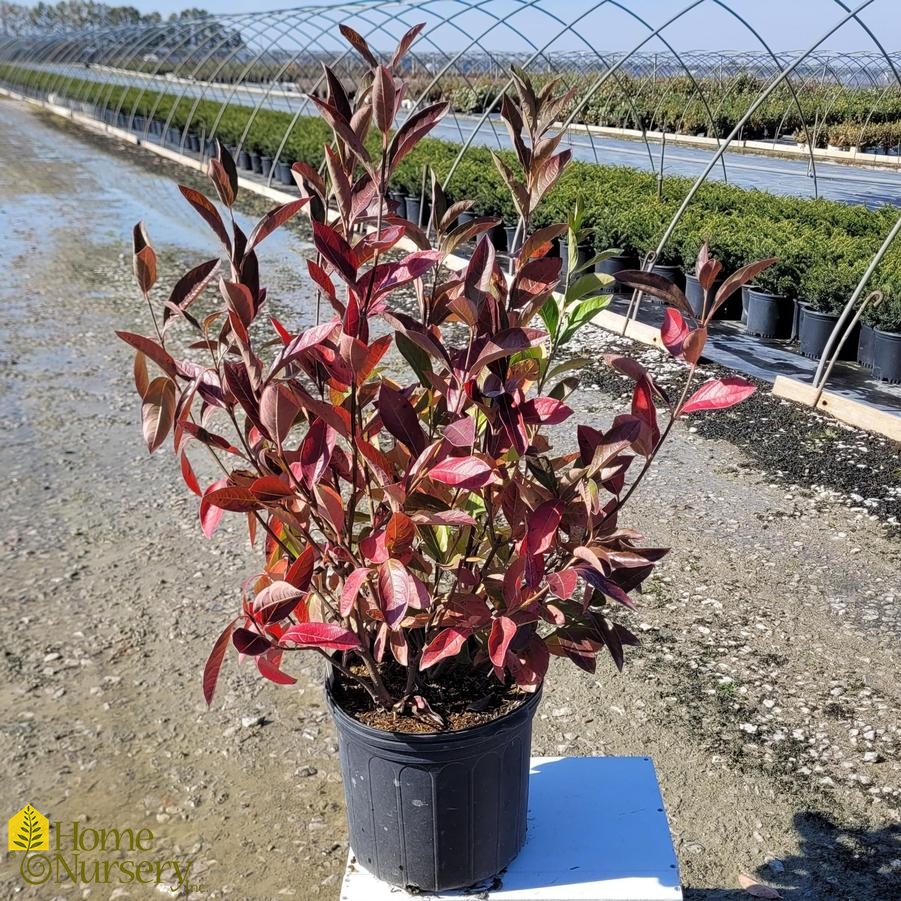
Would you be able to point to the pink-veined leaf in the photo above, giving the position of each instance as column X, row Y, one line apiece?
column 396, row 590
column 462, row 472
column 719, row 394
column 414, row 129
column 562, row 584
column 211, row 516
column 356, row 40
column 383, row 94
column 351, row 590
column 443, row 518
column 276, row 601
column 233, row 499
column 447, row 643
column 214, row 663
column 327, row 636
column 461, row 433
column 269, row 670
column 316, row 451
column 541, row 526
column 336, row 251
column 158, row 411
column 503, row 629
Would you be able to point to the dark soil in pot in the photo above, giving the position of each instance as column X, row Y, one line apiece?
column 814, row 331
column 887, row 356
column 769, row 315
column 670, row 273
column 866, row 346
column 613, row 265
column 436, row 811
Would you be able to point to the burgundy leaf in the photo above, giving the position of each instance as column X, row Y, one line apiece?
column 739, row 278
column 336, row 251
column 233, row 499
column 405, row 43
column 719, row 394
column 657, row 286
column 276, row 601
column 443, row 518
column 316, row 451
column 447, row 643
column 208, row 212
column 562, row 584
column 214, row 663
column 151, row 349
column 144, row 259
column 383, row 93
column 190, row 286
column 545, row 410
column 273, row 220
column 506, row 343
column 400, row 419
column 597, row 580
column 414, row 129
column 356, row 40
column 461, row 433
column 278, row 409
column 541, row 527
column 211, row 516
column 249, row 643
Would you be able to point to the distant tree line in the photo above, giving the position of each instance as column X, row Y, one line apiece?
column 17, row 19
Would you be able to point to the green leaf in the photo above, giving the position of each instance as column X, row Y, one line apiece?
column 550, row 315
column 20, row 844
column 415, row 356
column 584, row 313
column 590, row 283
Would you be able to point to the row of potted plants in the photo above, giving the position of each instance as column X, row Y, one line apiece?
column 823, row 246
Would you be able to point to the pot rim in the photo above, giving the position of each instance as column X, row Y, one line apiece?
column 472, row 733
column 760, row 292
column 885, row 331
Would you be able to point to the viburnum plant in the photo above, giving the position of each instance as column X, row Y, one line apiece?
column 421, row 522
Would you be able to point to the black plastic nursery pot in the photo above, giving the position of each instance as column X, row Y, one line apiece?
column 887, row 356
column 283, row 173
column 584, row 253
column 400, row 201
column 514, row 240
column 415, row 212
column 612, row 266
column 671, row 273
column 437, row 811
column 694, row 294
column 255, row 163
column 244, row 161
column 769, row 315
column 814, row 330
column 866, row 346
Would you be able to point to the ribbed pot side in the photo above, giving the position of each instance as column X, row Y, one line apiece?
column 438, row 811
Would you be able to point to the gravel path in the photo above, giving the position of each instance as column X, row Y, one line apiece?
column 765, row 690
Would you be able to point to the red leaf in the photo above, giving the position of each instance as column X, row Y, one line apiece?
column 221, row 181
column 528, row 667
column 351, row 590
column 673, row 332
column 502, row 631
column 210, row 516
column 562, row 584
column 396, row 590
column 276, row 601
column 739, row 278
column 400, row 419
column 542, row 527
column 694, row 345
column 151, row 349
column 719, row 394
column 208, row 212
column 462, row 472
column 447, row 643
column 271, row 489
column 320, row 635
column 537, row 278
column 545, row 410
column 336, row 251
column 358, row 42
column 272, row 672
column 187, row 473
column 444, row 518
column 233, row 499
column 300, row 572
column 214, row 663
column 278, row 410
column 158, row 411
column 239, row 300
column 399, row 535
column 316, row 451
column 272, row 220
column 643, row 408
column 405, row 42
column 144, row 259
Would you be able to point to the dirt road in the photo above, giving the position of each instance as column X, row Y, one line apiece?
column 766, row 689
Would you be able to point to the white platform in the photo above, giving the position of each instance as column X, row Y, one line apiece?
column 597, row 832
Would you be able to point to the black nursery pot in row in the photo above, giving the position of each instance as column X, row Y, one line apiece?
column 814, row 331
column 887, row 356
column 694, row 294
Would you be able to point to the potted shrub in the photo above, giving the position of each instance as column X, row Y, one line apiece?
column 826, row 286
column 886, row 321
column 417, row 531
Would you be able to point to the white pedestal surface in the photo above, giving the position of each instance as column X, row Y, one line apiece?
column 597, row 831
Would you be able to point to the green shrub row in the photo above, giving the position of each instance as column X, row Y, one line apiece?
column 823, row 246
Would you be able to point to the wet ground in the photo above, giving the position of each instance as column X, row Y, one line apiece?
column 765, row 689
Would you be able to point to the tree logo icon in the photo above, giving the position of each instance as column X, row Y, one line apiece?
column 28, row 831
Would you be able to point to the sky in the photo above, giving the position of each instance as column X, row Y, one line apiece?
column 784, row 24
